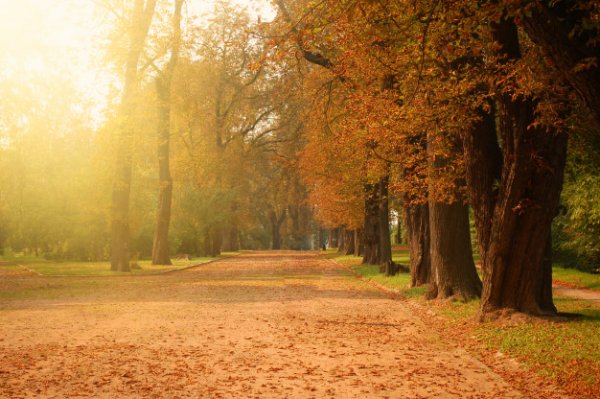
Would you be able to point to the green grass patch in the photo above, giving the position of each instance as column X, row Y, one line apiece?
column 50, row 268
column 562, row 350
column 399, row 282
column 576, row 277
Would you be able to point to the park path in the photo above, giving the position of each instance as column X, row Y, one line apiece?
column 260, row 325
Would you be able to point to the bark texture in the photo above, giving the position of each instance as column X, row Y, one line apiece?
column 452, row 267
column 515, row 242
column 416, row 220
column 371, row 225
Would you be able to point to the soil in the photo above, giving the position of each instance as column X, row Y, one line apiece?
column 260, row 325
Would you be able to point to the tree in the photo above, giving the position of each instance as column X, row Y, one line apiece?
column 160, row 247
column 141, row 18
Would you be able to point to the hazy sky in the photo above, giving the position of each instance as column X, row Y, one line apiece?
column 39, row 37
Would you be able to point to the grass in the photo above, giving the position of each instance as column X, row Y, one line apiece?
column 566, row 351
column 576, row 277
column 400, row 282
column 97, row 269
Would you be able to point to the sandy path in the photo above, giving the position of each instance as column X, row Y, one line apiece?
column 261, row 325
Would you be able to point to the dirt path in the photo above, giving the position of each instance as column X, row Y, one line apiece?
column 261, row 325
column 577, row 293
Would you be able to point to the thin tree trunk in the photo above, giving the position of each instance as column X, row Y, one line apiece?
column 216, row 242
column 121, row 190
column 349, row 242
column 385, row 245
column 160, row 247
column 398, row 239
column 358, row 242
column 341, row 239
column 276, row 222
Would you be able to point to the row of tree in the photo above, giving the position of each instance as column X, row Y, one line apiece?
column 447, row 104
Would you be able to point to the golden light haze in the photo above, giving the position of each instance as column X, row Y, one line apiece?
column 43, row 38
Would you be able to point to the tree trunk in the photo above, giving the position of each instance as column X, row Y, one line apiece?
column 276, row 222
column 231, row 239
column 398, row 239
column 358, row 242
column 160, row 247
column 385, row 245
column 216, row 242
column 453, row 272
column 483, row 164
column 416, row 220
column 341, row 233
column 371, row 226
column 349, row 242
column 452, row 267
column 517, row 269
column 119, row 259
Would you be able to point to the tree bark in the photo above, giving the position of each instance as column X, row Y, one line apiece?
column 358, row 242
column 517, row 269
column 371, row 226
column 452, row 267
column 119, row 260
column 453, row 272
column 416, row 220
column 349, row 242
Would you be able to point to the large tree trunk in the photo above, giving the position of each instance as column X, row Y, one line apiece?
column 119, row 260
column 376, row 237
column 517, row 266
column 453, row 272
column 483, row 165
column 371, row 227
column 452, row 267
column 416, row 220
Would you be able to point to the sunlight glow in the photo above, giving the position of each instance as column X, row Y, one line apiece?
column 44, row 38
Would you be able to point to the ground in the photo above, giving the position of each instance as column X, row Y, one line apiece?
column 259, row 325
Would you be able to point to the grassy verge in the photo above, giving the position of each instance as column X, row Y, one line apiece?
column 576, row 277
column 566, row 352
column 50, row 268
